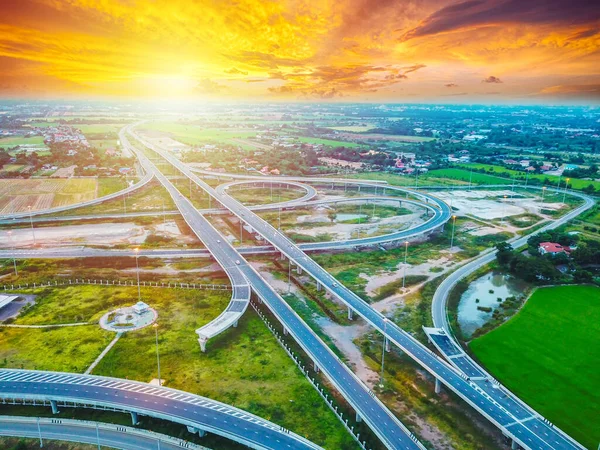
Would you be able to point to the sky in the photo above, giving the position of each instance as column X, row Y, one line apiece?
column 495, row 51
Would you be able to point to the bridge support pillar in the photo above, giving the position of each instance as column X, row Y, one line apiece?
column 134, row 418
column 350, row 313
column 195, row 430
column 285, row 331
column 319, row 286
column 235, row 324
column 358, row 418
column 387, row 344
column 299, row 270
column 202, row 345
column 514, row 445
column 282, row 257
column 54, row 407
column 316, row 366
column 438, row 386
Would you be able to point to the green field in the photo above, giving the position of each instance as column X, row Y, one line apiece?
column 353, row 128
column 554, row 354
column 21, row 140
column 244, row 366
column 465, row 175
column 194, row 134
column 574, row 183
column 327, row 142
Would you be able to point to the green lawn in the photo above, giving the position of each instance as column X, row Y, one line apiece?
column 328, row 142
column 244, row 366
column 549, row 355
column 574, row 183
column 465, row 175
column 21, row 140
column 195, row 134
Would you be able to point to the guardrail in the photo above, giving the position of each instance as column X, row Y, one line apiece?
column 159, row 437
column 88, row 281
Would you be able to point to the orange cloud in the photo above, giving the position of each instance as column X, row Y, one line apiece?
column 296, row 49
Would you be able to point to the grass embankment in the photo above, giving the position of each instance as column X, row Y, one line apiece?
column 551, row 345
column 110, row 185
column 244, row 366
column 34, row 444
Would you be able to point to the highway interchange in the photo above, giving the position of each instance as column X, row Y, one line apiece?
column 516, row 420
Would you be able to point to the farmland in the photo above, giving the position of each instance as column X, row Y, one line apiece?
column 43, row 193
column 560, row 362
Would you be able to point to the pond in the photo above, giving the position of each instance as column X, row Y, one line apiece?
column 479, row 301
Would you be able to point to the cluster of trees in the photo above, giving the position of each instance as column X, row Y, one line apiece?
column 538, row 268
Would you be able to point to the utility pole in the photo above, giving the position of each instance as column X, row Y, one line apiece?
column 155, row 326
column 385, row 321
column 452, row 239
column 14, row 248
column 543, row 193
column 503, row 208
column 405, row 255
column 241, row 231
column 98, row 436
column 137, row 271
column 40, row 432
column 289, row 275
column 565, row 191
column 279, row 219
column 31, row 222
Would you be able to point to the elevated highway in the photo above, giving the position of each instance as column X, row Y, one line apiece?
column 512, row 418
column 199, row 414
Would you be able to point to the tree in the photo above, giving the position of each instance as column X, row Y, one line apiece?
column 505, row 253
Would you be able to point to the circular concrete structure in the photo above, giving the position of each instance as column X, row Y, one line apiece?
column 128, row 319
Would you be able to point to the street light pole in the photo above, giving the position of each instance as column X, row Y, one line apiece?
column 31, row 222
column 452, row 238
column 289, row 275
column 155, row 326
column 385, row 321
column 279, row 219
column 137, row 271
column 405, row 255
column 543, row 193
column 503, row 208
column 14, row 257
column 565, row 191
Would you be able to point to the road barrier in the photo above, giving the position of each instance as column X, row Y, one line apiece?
column 87, row 281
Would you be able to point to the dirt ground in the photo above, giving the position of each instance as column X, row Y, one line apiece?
column 484, row 205
column 104, row 234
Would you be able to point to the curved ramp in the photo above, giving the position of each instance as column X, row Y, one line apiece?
column 199, row 414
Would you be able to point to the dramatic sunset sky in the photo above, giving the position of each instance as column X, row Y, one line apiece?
column 351, row 50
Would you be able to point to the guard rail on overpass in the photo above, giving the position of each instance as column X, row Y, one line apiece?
column 199, row 414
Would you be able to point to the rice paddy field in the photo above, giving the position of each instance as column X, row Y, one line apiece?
column 553, row 348
column 43, row 193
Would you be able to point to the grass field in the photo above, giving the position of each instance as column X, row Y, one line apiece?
column 244, row 366
column 465, row 175
column 353, row 129
column 21, row 140
column 194, row 134
column 552, row 346
column 328, row 142
column 42, row 193
column 574, row 183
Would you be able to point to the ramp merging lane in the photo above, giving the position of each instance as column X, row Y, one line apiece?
column 198, row 413
column 510, row 416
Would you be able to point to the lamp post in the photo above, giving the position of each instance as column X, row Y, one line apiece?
column 137, row 271
column 543, row 193
column 385, row 321
column 565, row 191
column 453, row 226
column 405, row 255
column 155, row 326
column 503, row 208
column 31, row 222
column 14, row 257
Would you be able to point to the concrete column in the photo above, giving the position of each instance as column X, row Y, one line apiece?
column 54, row 407
column 514, row 445
column 192, row 430
column 285, row 331
column 235, row 324
column 387, row 344
column 134, row 418
column 438, row 386
column 350, row 313
column 299, row 270
column 201, row 433
column 358, row 418
column 282, row 257
column 315, row 366
column 319, row 286
column 202, row 345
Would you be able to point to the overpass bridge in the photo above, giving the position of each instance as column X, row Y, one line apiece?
column 511, row 417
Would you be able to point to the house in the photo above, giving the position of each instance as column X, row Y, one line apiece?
column 552, row 248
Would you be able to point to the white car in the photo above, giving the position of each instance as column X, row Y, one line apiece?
column 218, row 241
column 237, row 261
